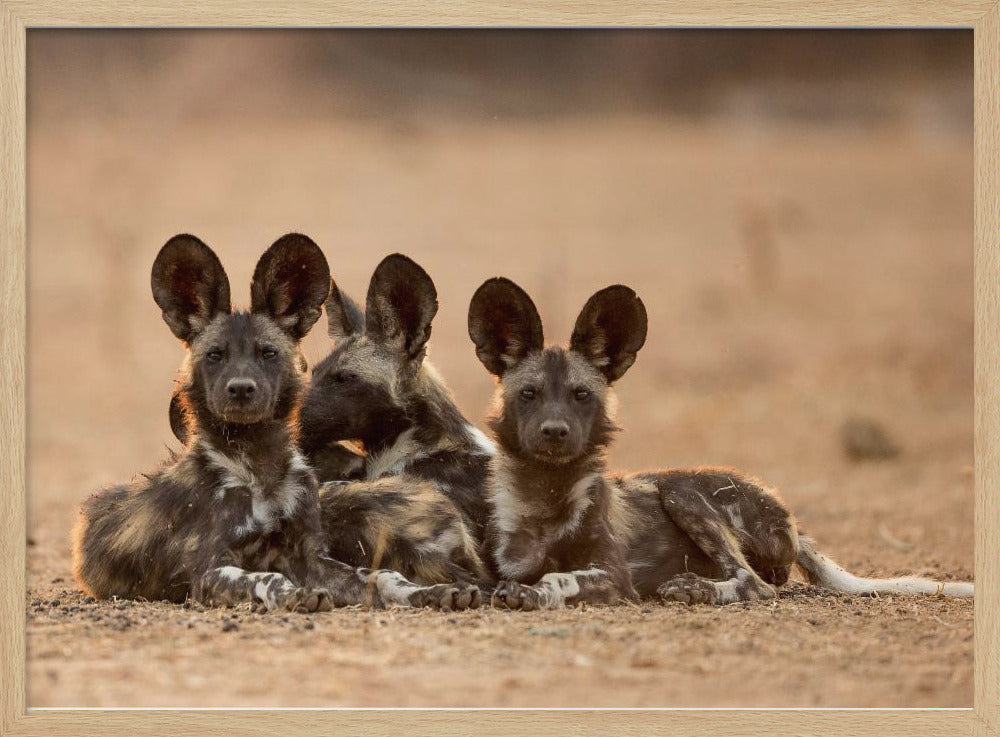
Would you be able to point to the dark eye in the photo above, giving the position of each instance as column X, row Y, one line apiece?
column 581, row 394
column 528, row 394
column 344, row 377
column 268, row 352
column 214, row 355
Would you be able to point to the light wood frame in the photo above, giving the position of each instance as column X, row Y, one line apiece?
column 983, row 16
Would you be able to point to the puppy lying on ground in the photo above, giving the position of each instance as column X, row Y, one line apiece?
column 235, row 517
column 562, row 530
column 419, row 507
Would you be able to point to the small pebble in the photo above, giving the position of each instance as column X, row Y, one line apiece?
column 89, row 600
column 55, row 602
column 228, row 625
column 309, row 626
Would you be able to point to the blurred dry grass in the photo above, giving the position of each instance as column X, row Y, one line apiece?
column 802, row 240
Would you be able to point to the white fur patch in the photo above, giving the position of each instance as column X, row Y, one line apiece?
column 231, row 573
column 483, row 443
column 556, row 588
column 393, row 588
column 236, row 471
column 297, row 463
column 449, row 540
column 580, row 499
column 262, row 590
column 266, row 510
column 727, row 592
column 735, row 515
column 509, row 512
column 391, row 461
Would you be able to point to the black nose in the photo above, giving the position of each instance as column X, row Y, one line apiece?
column 241, row 389
column 555, row 429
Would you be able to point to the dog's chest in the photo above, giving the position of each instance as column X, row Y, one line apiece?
column 540, row 531
column 257, row 504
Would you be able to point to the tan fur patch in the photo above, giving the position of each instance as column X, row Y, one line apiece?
column 138, row 523
column 417, row 522
column 623, row 515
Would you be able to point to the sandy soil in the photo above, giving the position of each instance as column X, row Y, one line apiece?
column 795, row 278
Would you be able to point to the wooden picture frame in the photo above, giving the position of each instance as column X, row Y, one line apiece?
column 983, row 16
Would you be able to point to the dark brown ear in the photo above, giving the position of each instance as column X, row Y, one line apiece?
column 343, row 316
column 290, row 284
column 178, row 417
column 610, row 330
column 401, row 305
column 189, row 285
column 504, row 325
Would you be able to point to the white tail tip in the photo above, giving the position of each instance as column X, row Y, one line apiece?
column 824, row 572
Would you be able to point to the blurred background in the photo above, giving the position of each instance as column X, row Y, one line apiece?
column 794, row 207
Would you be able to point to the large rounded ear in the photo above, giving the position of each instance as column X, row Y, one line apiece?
column 189, row 285
column 504, row 325
column 402, row 302
column 290, row 284
column 610, row 330
column 343, row 316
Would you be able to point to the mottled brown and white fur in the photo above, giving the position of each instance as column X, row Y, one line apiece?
column 235, row 517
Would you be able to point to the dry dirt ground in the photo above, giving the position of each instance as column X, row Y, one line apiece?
column 795, row 277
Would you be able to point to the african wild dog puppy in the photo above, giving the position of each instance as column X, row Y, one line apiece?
column 235, row 517
column 562, row 530
column 419, row 507
column 418, row 465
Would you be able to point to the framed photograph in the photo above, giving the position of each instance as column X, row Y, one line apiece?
column 576, row 368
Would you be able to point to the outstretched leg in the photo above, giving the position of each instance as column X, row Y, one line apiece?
column 350, row 586
column 556, row 590
column 231, row 586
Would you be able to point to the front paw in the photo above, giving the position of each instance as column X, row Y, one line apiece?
column 689, row 588
column 512, row 595
column 304, row 600
column 447, row 597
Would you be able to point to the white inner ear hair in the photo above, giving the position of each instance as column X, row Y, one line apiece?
column 509, row 356
column 597, row 346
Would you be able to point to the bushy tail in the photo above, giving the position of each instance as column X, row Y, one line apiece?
column 822, row 571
